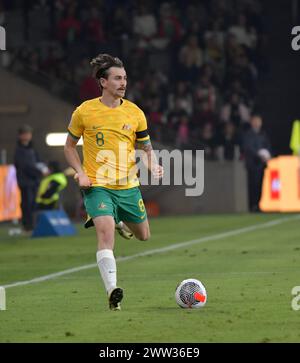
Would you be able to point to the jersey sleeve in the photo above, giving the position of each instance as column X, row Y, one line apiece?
column 142, row 129
column 75, row 127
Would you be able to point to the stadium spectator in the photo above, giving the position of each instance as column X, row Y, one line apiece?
column 29, row 172
column 232, row 49
column 169, row 27
column 190, row 58
column 241, row 68
column 121, row 30
column 93, row 28
column 69, row 27
column 88, row 89
column 156, row 117
column 244, row 35
column 236, row 87
column 207, row 141
column 235, row 111
column 173, row 121
column 144, row 26
column 257, row 151
column 214, row 55
column 205, row 91
column 228, row 143
column 215, row 31
column 182, row 97
column 183, row 133
column 196, row 18
column 203, row 115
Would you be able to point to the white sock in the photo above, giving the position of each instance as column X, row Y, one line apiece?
column 108, row 269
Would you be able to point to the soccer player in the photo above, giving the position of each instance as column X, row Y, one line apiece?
column 111, row 127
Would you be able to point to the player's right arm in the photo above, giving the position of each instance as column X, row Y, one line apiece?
column 75, row 131
column 74, row 161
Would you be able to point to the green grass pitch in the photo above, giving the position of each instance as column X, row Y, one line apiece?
column 248, row 277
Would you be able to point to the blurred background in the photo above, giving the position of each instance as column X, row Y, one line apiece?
column 199, row 70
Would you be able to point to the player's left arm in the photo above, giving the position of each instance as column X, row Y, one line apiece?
column 144, row 143
column 149, row 159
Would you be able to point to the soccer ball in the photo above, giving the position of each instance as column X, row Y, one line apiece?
column 191, row 294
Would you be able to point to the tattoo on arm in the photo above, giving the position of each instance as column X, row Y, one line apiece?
column 146, row 147
column 149, row 157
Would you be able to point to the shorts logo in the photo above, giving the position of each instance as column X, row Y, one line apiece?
column 101, row 206
column 126, row 127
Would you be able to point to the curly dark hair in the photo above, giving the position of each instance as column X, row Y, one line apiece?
column 102, row 63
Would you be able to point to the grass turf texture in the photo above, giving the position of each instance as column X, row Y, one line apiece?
column 248, row 278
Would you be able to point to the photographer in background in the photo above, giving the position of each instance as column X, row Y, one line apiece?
column 48, row 195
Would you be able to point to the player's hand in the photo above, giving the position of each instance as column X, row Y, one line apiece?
column 83, row 180
column 157, row 171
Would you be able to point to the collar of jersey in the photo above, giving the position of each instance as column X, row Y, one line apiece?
column 111, row 108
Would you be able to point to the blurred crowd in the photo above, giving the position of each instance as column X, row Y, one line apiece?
column 193, row 66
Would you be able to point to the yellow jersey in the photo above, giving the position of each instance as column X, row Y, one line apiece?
column 109, row 137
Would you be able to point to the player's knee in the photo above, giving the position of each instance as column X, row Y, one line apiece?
column 144, row 236
column 106, row 239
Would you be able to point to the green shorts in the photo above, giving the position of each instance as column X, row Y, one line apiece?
column 123, row 205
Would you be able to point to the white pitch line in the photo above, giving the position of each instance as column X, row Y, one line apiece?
column 175, row 246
